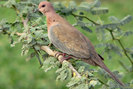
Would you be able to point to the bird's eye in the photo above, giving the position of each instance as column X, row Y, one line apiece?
column 43, row 5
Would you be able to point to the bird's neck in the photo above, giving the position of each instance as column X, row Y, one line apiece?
column 53, row 17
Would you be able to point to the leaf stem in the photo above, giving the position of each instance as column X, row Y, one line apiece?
column 82, row 16
column 103, row 83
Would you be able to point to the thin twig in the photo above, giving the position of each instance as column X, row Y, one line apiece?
column 103, row 83
column 85, row 18
column 124, row 67
column 37, row 55
column 122, row 46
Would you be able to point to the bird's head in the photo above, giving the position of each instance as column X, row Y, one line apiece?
column 45, row 7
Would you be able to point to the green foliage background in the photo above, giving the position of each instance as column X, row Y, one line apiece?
column 16, row 73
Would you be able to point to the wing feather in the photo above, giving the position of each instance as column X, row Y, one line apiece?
column 69, row 40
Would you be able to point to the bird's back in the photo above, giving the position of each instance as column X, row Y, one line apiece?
column 69, row 40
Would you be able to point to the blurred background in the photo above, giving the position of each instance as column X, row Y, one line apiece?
column 16, row 73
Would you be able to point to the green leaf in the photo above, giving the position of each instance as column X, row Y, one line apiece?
column 64, row 72
column 114, row 19
column 25, row 49
column 29, row 38
column 96, row 3
column 81, row 69
column 50, row 63
column 86, row 28
column 37, row 47
column 22, row 37
column 10, row 3
column 78, row 83
column 74, row 81
column 84, row 6
column 98, row 11
column 126, row 20
column 112, row 48
column 38, row 33
column 100, row 34
column 128, row 33
column 82, row 86
column 101, row 75
column 30, row 56
column 72, row 5
column 93, row 83
column 36, row 1
column 110, row 26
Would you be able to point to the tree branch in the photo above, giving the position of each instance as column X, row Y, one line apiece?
column 82, row 16
column 53, row 53
column 18, row 34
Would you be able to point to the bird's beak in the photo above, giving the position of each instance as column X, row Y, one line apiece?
column 36, row 10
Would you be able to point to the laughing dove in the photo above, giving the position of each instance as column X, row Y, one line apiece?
column 69, row 40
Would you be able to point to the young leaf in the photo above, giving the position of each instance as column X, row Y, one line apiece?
column 98, row 11
column 50, row 63
column 111, row 26
column 96, row 3
column 64, row 73
column 128, row 33
column 114, row 19
column 10, row 3
column 126, row 20
column 84, row 7
column 86, row 28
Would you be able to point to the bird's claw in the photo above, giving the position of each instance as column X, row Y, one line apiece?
column 65, row 56
column 50, row 44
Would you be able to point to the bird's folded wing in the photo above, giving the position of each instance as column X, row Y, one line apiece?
column 69, row 40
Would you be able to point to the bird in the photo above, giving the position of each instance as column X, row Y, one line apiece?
column 70, row 40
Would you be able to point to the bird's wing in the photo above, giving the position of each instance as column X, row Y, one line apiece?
column 69, row 40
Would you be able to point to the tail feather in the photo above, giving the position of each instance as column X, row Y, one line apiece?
column 100, row 56
column 96, row 61
column 111, row 74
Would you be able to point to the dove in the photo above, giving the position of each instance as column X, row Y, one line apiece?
column 69, row 40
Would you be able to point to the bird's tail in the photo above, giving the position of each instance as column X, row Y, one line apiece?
column 100, row 63
column 111, row 74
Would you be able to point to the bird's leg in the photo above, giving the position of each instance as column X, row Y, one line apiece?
column 50, row 44
column 65, row 56
column 59, row 53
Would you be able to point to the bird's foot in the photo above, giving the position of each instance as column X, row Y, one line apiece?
column 50, row 44
column 65, row 56
column 59, row 53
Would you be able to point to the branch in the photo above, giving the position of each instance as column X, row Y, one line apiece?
column 18, row 34
column 122, row 46
column 82, row 16
column 112, row 35
column 53, row 53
